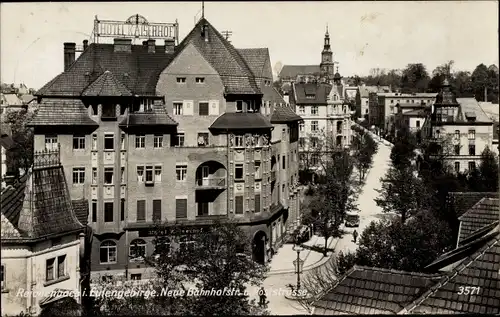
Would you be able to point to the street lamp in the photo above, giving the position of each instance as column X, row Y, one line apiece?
column 298, row 263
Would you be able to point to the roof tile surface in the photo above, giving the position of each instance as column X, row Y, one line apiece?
column 62, row 112
column 319, row 91
column 292, row 71
column 485, row 212
column 106, row 85
column 235, row 121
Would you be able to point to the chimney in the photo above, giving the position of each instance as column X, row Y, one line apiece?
column 151, row 46
column 169, row 46
column 85, row 44
column 69, row 55
column 123, row 45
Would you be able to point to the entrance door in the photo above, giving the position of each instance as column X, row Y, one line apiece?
column 204, row 175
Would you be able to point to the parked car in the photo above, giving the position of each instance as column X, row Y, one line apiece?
column 352, row 220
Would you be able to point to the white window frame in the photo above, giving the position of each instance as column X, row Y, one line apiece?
column 158, row 141
column 80, row 175
column 314, row 110
column 180, row 136
column 238, row 141
column 94, row 141
column 80, row 142
column 314, row 126
column 140, row 141
column 302, row 109
column 181, row 80
column 110, row 245
column 122, row 175
column 51, row 142
column 107, row 170
column 181, row 172
column 140, row 243
column 94, row 175
column 109, row 136
column 200, row 80
column 149, row 170
column 471, row 135
column 157, row 173
column 178, row 108
column 140, row 173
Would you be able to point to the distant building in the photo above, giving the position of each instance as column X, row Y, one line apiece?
column 41, row 236
column 438, row 290
column 463, row 122
column 411, row 115
column 363, row 96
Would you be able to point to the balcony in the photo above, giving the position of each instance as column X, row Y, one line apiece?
column 211, row 183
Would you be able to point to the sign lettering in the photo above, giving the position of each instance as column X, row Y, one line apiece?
column 147, row 31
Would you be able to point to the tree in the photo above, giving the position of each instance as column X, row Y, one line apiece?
column 484, row 80
column 415, row 78
column 439, row 74
column 403, row 192
column 462, row 84
column 364, row 148
column 22, row 135
column 217, row 258
column 488, row 169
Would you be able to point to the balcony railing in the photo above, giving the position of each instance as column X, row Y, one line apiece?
column 214, row 182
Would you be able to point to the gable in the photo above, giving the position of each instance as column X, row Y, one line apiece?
column 190, row 62
column 268, row 71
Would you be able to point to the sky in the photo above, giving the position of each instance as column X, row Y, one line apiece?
column 363, row 34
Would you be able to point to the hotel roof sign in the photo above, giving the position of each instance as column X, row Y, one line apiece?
column 135, row 27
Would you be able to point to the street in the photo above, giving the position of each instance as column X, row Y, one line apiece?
column 368, row 211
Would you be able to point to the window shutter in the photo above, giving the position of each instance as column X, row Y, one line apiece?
column 156, row 209
column 141, row 210
column 181, row 208
column 213, row 109
column 188, row 108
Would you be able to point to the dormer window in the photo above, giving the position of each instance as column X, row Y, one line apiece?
column 310, row 96
column 109, row 111
column 181, row 80
column 239, row 106
column 146, row 105
column 200, row 80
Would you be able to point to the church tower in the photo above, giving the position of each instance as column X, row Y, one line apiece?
column 326, row 65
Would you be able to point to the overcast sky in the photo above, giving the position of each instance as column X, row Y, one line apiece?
column 363, row 34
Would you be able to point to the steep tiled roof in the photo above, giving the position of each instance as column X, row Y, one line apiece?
column 485, row 212
column 284, row 114
column 27, row 98
column 320, row 92
column 62, row 112
column 81, row 208
column 292, row 71
column 417, row 113
column 460, row 202
column 235, row 73
column 366, row 290
column 235, row 121
column 158, row 116
column 12, row 100
column 471, row 105
column 138, row 70
column 364, row 91
column 12, row 198
column 255, row 58
column 480, row 270
column 106, row 85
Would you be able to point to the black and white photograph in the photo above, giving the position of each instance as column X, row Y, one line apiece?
column 212, row 158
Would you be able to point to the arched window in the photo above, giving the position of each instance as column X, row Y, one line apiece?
column 107, row 252
column 137, row 249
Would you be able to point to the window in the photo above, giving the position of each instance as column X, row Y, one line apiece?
column 122, row 209
column 457, row 134
column 181, row 80
column 78, row 175
column 61, row 261
column 49, row 269
column 181, row 172
column 238, row 205
column 178, row 108
column 239, row 106
column 310, row 96
column 283, row 134
column 2, row 275
column 157, row 174
column 257, row 202
column 418, row 123
column 51, row 142
column 180, row 139
column 314, row 126
column 284, row 162
column 457, row 167
column 238, row 171
column 158, row 141
column 392, row 101
column 163, row 245
column 140, row 174
column 109, row 141
column 302, row 109
column 156, row 209
column 122, row 175
column 202, row 139
column 302, row 142
column 314, row 142
column 109, row 111
column 94, row 141
column 203, row 109
column 200, row 80
column 108, row 175
column 107, row 252
column 301, row 126
column 258, row 174
column 137, row 249
column 140, row 141
column 94, row 211
column 181, row 208
column 314, row 160
column 457, row 149
column 141, row 210
column 472, row 134
column 136, row 277
column 238, row 140
column 108, row 212
column 314, row 110
column 472, row 166
column 472, row 149
column 203, row 208
column 149, row 174
column 122, row 141
column 146, row 105
column 407, row 101
column 78, row 142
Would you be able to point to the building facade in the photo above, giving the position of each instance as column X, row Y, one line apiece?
column 183, row 135
column 362, row 100
column 464, row 124
column 42, row 238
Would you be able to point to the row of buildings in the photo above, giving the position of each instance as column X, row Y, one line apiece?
column 183, row 134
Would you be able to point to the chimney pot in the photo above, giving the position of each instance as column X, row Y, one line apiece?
column 145, row 43
column 169, row 46
column 85, row 44
column 69, row 54
column 151, row 46
column 123, row 45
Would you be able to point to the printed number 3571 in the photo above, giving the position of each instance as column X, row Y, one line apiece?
column 468, row 290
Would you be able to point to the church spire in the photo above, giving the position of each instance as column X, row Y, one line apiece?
column 326, row 34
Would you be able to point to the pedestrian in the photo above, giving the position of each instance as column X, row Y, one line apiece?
column 355, row 235
column 262, row 297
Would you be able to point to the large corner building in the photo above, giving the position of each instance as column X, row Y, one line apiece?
column 183, row 134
